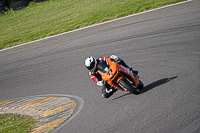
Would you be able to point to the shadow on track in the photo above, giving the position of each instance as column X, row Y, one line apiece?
column 151, row 86
column 156, row 84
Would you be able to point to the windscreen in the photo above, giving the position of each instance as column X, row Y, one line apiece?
column 103, row 66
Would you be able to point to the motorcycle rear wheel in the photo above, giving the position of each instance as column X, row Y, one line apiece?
column 141, row 85
column 130, row 88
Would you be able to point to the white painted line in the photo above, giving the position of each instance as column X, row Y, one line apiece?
column 96, row 25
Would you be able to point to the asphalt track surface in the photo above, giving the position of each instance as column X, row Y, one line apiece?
column 163, row 45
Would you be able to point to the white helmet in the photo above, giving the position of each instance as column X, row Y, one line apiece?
column 91, row 63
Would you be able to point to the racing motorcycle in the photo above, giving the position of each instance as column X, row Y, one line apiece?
column 120, row 77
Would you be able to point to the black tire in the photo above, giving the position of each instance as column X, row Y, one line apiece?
column 141, row 85
column 130, row 88
column 3, row 9
column 7, row 3
column 3, row 6
column 18, row 4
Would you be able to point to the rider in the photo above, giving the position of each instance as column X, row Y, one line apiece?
column 91, row 64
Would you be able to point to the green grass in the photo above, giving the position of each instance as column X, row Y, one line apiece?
column 16, row 124
column 51, row 17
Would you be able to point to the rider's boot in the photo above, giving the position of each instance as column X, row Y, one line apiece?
column 135, row 72
column 124, row 64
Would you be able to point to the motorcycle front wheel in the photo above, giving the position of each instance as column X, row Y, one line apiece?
column 129, row 87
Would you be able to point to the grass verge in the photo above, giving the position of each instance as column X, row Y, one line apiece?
column 52, row 17
column 16, row 124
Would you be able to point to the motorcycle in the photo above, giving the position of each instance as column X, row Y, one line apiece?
column 120, row 77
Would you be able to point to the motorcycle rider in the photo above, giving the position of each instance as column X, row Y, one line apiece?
column 91, row 64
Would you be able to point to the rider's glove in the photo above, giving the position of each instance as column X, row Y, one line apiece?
column 99, row 83
column 116, row 58
column 100, row 59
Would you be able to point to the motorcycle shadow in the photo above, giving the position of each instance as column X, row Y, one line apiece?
column 156, row 84
column 151, row 86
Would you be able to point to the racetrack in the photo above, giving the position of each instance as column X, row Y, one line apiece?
column 163, row 45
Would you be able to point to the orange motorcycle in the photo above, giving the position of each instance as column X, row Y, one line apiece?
column 120, row 77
